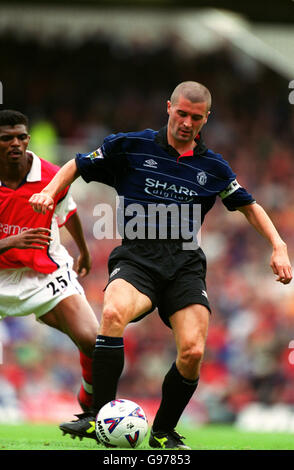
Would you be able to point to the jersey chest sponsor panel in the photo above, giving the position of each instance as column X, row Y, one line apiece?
column 16, row 216
column 171, row 181
column 168, row 183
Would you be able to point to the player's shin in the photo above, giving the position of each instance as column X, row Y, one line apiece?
column 86, row 390
column 108, row 363
column 176, row 394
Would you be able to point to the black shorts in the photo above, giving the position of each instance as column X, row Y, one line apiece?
column 171, row 277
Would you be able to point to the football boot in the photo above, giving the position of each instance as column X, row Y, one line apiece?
column 167, row 440
column 84, row 426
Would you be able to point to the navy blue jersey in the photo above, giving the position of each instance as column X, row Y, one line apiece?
column 146, row 171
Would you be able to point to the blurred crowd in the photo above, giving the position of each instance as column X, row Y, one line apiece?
column 75, row 95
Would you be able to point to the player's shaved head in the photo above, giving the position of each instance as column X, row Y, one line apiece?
column 192, row 91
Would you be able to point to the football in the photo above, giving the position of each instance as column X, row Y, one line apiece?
column 121, row 423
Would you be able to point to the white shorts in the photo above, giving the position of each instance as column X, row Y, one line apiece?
column 25, row 291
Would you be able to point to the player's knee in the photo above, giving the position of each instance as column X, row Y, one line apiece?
column 113, row 321
column 191, row 355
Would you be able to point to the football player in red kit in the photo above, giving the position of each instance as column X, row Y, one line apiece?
column 36, row 271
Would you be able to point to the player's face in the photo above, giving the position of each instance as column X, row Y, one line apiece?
column 14, row 141
column 186, row 119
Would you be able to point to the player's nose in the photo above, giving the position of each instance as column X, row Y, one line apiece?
column 15, row 142
column 187, row 121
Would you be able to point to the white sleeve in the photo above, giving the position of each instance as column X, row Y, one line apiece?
column 65, row 208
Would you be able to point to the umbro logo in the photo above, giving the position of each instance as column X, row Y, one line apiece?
column 203, row 292
column 150, row 163
column 114, row 272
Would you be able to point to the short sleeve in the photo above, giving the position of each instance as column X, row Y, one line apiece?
column 104, row 164
column 234, row 196
column 65, row 208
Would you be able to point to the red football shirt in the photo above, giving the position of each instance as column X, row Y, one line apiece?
column 16, row 215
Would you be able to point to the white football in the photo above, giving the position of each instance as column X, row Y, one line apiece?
column 121, row 423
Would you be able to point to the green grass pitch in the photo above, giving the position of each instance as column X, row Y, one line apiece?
column 211, row 437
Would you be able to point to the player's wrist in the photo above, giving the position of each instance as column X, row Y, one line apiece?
column 8, row 243
column 279, row 245
column 47, row 193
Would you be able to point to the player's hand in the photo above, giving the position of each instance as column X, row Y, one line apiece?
column 41, row 202
column 35, row 238
column 280, row 265
column 83, row 264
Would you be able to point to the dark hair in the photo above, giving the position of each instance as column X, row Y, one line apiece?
column 10, row 117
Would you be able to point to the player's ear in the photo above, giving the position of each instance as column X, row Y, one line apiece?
column 168, row 106
column 208, row 113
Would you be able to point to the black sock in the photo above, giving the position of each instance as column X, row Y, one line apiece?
column 176, row 394
column 108, row 363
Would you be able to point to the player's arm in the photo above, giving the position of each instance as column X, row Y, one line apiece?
column 74, row 226
column 43, row 201
column 280, row 262
column 27, row 239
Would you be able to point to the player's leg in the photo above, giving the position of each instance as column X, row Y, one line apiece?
column 75, row 317
column 57, row 300
column 190, row 327
column 122, row 304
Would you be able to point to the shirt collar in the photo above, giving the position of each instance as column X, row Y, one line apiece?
column 161, row 139
column 35, row 172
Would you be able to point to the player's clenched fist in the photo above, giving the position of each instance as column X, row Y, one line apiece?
column 41, row 202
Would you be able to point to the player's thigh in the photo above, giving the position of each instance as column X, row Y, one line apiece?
column 124, row 301
column 190, row 327
column 75, row 317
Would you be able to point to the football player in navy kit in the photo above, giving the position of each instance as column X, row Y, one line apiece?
column 170, row 166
